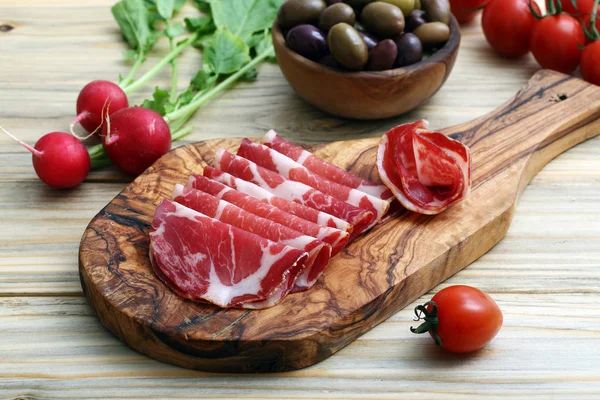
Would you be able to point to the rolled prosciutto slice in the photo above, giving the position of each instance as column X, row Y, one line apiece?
column 360, row 219
column 427, row 171
column 334, row 237
column 203, row 259
column 319, row 252
column 290, row 169
column 325, row 169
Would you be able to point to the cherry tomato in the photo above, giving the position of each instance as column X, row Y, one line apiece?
column 590, row 63
column 555, row 42
column 460, row 318
column 507, row 25
column 466, row 10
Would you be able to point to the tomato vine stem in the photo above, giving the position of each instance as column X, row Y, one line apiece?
column 430, row 321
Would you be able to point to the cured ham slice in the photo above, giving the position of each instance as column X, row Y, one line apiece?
column 290, row 169
column 203, row 259
column 319, row 252
column 297, row 209
column 325, row 169
column 361, row 220
column 427, row 171
column 334, row 237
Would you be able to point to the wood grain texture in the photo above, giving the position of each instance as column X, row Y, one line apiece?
column 373, row 278
column 544, row 274
column 364, row 94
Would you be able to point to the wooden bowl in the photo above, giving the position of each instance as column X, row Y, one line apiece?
column 367, row 94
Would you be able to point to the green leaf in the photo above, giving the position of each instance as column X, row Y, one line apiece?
column 179, row 4
column 266, row 44
column 206, row 78
column 160, row 102
column 134, row 20
column 165, row 8
column 130, row 55
column 174, row 30
column 200, row 25
column 244, row 17
column 185, row 97
column 203, row 5
column 226, row 53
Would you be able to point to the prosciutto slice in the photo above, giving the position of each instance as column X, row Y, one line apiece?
column 427, row 171
column 244, row 169
column 297, row 209
column 203, row 259
column 334, row 237
column 325, row 169
column 290, row 169
column 319, row 252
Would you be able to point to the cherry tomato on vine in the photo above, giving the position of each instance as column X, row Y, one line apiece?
column 590, row 63
column 585, row 20
column 460, row 318
column 507, row 25
column 466, row 10
column 555, row 42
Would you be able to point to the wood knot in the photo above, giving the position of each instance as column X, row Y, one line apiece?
column 6, row 28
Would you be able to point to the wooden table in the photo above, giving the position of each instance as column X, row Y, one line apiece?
column 545, row 274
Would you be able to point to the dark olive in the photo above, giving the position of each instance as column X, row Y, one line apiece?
column 436, row 10
column 433, row 34
column 369, row 39
column 308, row 41
column 414, row 19
column 383, row 19
column 405, row 5
column 330, row 62
column 382, row 56
column 410, row 49
column 297, row 12
column 335, row 14
column 347, row 46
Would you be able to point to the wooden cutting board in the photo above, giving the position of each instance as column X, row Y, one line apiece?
column 373, row 278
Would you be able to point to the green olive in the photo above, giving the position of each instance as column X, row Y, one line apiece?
column 405, row 5
column 436, row 10
column 297, row 12
column 347, row 46
column 417, row 4
column 335, row 14
column 432, row 34
column 383, row 19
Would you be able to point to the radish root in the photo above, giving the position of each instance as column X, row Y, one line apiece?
column 22, row 143
column 82, row 116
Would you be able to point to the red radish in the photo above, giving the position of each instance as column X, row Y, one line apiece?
column 134, row 138
column 96, row 100
column 59, row 159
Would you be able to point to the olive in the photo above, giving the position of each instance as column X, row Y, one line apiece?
column 382, row 56
column 369, row 39
column 383, row 19
column 437, row 10
column 308, row 41
column 330, row 2
column 335, row 14
column 414, row 19
column 297, row 12
column 330, row 62
column 417, row 4
column 433, row 34
column 405, row 5
column 410, row 50
column 347, row 46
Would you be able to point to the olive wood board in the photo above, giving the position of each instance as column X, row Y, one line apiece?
column 374, row 277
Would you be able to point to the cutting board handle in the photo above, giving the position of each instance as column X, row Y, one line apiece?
column 551, row 114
